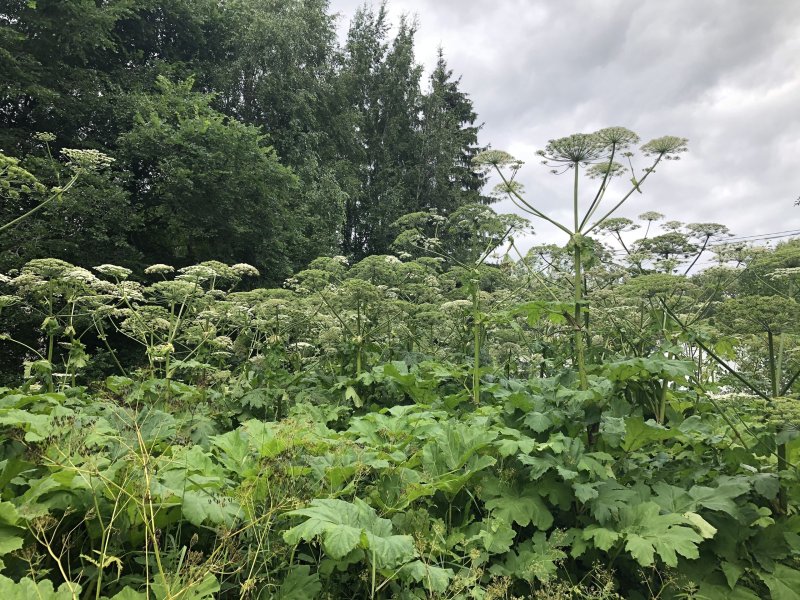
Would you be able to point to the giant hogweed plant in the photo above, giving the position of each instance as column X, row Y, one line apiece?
column 596, row 154
column 179, row 323
column 17, row 183
column 409, row 490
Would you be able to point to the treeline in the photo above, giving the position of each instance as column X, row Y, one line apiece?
column 241, row 131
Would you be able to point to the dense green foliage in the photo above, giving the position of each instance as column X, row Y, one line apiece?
column 415, row 408
column 326, row 440
column 244, row 112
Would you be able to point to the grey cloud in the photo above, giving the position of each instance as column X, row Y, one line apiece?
column 724, row 73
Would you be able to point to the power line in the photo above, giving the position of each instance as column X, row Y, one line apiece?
column 764, row 236
column 742, row 237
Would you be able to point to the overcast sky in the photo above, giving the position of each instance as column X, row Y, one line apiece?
column 723, row 73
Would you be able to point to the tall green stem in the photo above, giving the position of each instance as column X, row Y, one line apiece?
column 476, row 344
column 577, row 241
column 773, row 371
column 40, row 206
column 575, row 199
column 579, row 349
column 783, row 500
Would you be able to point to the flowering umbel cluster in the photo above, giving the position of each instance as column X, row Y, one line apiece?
column 86, row 160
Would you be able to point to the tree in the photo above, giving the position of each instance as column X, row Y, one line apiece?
column 444, row 179
column 206, row 186
column 67, row 66
column 381, row 82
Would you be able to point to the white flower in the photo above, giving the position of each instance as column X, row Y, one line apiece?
column 245, row 270
column 159, row 269
column 222, row 342
column 456, row 305
column 78, row 275
column 86, row 159
column 196, row 273
column 113, row 271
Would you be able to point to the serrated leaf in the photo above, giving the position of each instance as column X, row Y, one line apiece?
column 719, row 498
column 672, row 498
column 783, row 582
column 433, row 579
column 200, row 508
column 198, row 590
column 536, row 558
column 300, row 584
column 10, row 539
column 766, row 484
column 390, row 551
column 521, row 505
column 264, row 439
column 41, row 590
column 647, row 532
column 585, row 491
column 603, row 538
column 345, row 526
column 640, row 549
column 537, row 421
column 611, row 497
column 732, row 572
column 638, row 433
column 495, row 536
column 235, row 448
column 351, row 395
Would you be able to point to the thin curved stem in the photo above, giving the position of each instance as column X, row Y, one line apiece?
column 635, row 187
column 39, row 207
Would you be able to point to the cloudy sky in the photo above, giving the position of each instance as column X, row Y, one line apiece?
column 723, row 73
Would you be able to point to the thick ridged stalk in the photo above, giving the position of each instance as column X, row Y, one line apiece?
column 781, row 449
column 476, row 346
column 580, row 357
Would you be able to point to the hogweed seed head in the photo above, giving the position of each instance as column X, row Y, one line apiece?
column 86, row 160
column 605, row 169
column 618, row 137
column 497, row 159
column 651, row 216
column 668, row 147
column 575, row 149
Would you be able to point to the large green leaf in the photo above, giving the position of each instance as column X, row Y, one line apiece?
column 433, row 579
column 39, row 590
column 345, row 526
column 453, row 447
column 783, row 582
column 496, row 536
column 11, row 536
column 639, row 433
column 646, row 533
column 201, row 589
column 200, row 507
column 536, row 558
column 516, row 504
column 299, row 584
column 721, row 497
